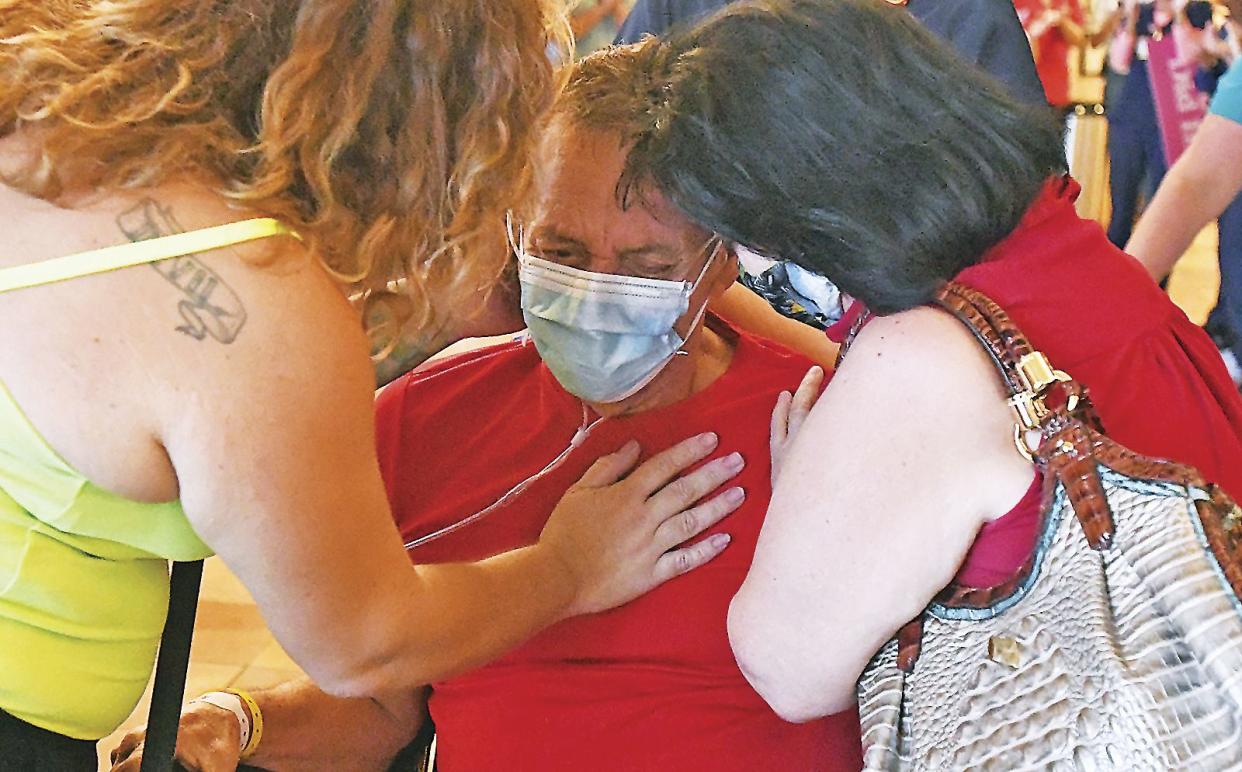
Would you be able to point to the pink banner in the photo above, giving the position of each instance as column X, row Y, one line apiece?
column 1180, row 105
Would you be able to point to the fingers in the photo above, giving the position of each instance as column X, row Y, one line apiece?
column 657, row 471
column 684, row 526
column 612, row 467
column 127, row 745
column 780, row 423
column 804, row 399
column 678, row 562
column 683, row 492
column 129, row 763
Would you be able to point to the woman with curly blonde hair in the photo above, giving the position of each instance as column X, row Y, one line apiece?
column 268, row 161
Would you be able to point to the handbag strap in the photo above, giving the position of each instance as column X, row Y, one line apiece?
column 1072, row 446
column 1066, row 428
column 1045, row 401
column 170, row 669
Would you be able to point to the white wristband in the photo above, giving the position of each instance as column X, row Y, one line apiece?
column 233, row 704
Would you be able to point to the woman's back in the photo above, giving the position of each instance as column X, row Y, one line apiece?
column 1155, row 377
column 89, row 509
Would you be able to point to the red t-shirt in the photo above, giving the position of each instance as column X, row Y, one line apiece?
column 652, row 685
column 1155, row 378
column 1050, row 48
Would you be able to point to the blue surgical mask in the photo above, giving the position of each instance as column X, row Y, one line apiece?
column 604, row 336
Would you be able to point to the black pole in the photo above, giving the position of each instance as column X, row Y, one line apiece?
column 174, row 658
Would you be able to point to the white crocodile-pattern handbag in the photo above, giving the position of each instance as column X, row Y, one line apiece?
column 1119, row 644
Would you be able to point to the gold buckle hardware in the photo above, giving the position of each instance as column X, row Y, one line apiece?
column 1037, row 374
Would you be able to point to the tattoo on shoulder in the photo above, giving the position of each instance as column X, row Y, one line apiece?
column 209, row 306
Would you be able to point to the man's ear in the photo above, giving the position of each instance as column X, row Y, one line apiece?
column 724, row 272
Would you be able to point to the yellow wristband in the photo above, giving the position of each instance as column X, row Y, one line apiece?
column 256, row 722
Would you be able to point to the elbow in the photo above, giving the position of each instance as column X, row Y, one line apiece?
column 376, row 675
column 798, row 685
column 347, row 683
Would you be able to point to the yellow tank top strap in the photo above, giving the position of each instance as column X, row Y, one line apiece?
column 140, row 253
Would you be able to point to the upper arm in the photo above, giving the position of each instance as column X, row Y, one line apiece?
column 1209, row 171
column 902, row 459
column 272, row 439
column 745, row 309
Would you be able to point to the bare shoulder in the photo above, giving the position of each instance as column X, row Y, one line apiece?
column 923, row 357
column 918, row 338
column 921, row 376
column 104, row 364
column 262, row 309
column 263, row 314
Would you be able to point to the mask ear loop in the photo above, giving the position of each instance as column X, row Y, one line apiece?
column 715, row 244
column 712, row 247
column 516, row 235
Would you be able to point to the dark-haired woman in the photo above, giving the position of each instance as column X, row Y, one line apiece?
column 852, row 142
column 221, row 400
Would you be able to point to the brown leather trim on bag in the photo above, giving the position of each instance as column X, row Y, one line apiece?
column 1072, row 448
column 1066, row 452
column 1222, row 524
column 909, row 644
column 986, row 327
column 1069, row 456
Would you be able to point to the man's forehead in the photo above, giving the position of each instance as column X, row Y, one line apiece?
column 582, row 190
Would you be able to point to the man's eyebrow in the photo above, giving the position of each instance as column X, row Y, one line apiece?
column 548, row 233
column 656, row 250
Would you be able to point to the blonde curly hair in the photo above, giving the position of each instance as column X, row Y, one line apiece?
column 392, row 134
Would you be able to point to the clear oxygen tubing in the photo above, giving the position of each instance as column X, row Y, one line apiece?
column 579, row 437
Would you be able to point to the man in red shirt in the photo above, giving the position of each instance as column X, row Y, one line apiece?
column 477, row 450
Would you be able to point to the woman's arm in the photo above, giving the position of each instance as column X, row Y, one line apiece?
column 746, row 310
column 907, row 453
column 272, row 439
column 1196, row 190
column 1105, row 31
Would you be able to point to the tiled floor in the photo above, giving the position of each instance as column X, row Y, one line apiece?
column 232, row 646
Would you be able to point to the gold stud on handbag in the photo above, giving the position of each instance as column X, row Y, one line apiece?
column 1118, row 646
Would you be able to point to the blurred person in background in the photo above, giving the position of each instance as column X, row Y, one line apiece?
column 1057, row 29
column 220, row 400
column 1135, row 145
column 1205, row 185
column 595, row 23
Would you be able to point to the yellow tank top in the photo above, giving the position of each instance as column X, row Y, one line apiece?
column 84, row 572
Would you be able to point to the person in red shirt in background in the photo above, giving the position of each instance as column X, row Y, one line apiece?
column 1055, row 28
column 476, row 451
